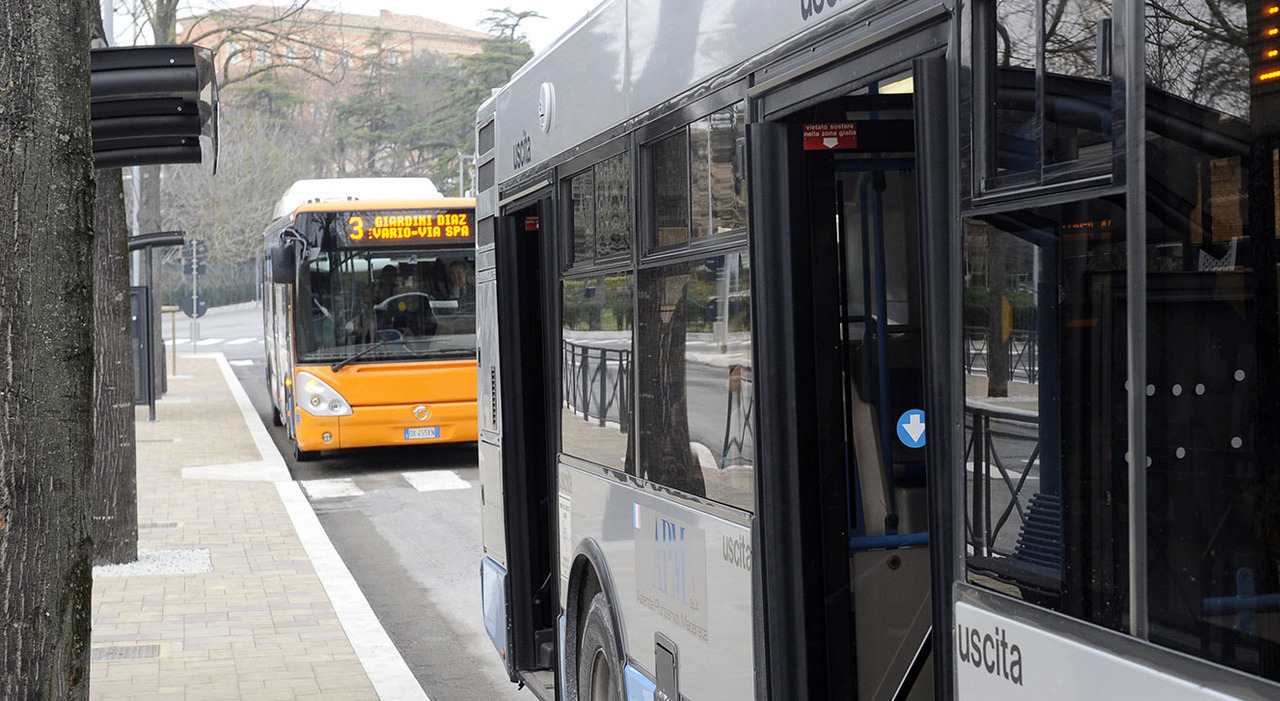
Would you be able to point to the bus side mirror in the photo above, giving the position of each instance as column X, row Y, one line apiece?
column 283, row 263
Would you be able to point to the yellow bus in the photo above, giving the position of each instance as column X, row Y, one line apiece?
column 369, row 315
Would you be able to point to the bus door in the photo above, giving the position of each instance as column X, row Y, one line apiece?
column 883, row 387
column 520, row 584
column 855, row 206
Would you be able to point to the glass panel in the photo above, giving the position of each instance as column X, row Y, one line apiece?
column 670, row 173
column 1067, row 115
column 1213, row 481
column 1015, row 103
column 583, row 214
column 613, row 205
column 598, row 320
column 1077, row 100
column 696, row 387
column 377, row 305
column 718, row 197
column 1045, row 407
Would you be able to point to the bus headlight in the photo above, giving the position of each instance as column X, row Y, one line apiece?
column 319, row 399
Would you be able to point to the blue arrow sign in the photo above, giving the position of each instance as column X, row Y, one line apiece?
column 911, row 428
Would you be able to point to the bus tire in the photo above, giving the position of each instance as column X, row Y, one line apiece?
column 276, row 418
column 300, row 455
column 599, row 669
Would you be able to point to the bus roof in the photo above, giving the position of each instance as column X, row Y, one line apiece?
column 345, row 189
column 385, row 203
column 626, row 57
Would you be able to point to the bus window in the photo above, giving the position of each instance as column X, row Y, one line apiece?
column 694, row 378
column 1213, row 348
column 697, row 180
column 599, row 214
column 395, row 300
column 598, row 327
column 1045, row 405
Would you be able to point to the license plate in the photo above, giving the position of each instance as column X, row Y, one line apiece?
column 412, row 434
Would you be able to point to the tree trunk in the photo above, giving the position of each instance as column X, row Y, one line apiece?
column 115, row 494
column 46, row 351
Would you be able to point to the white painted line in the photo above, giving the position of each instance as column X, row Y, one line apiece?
column 208, row 341
column 331, row 488
column 390, row 676
column 241, row 341
column 180, row 342
column 240, row 363
column 387, row 670
column 257, row 471
column 435, row 480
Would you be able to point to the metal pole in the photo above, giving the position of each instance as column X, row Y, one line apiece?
column 149, row 344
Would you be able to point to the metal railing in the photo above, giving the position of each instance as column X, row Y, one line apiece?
column 991, row 432
column 596, row 381
column 1024, row 356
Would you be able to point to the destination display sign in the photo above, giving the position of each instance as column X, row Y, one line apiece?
column 400, row 227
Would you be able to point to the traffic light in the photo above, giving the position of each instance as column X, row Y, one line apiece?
column 194, row 255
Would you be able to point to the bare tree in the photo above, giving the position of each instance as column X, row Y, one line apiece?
column 46, row 365
column 260, row 156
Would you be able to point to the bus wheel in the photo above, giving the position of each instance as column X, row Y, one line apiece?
column 301, row 455
column 276, row 418
column 599, row 669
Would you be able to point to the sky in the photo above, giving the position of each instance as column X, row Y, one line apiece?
column 559, row 14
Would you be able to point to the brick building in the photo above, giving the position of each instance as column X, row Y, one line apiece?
column 316, row 50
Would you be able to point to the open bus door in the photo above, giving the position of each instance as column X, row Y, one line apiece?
column 516, row 469
column 845, row 245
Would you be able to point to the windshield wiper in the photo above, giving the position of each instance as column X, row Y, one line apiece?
column 347, row 360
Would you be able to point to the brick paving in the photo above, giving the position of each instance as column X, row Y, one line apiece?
column 241, row 612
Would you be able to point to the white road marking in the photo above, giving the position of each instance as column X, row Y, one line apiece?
column 435, row 480
column 387, row 670
column 242, row 341
column 208, row 341
column 331, row 488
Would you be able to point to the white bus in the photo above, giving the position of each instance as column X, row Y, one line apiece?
column 735, row 257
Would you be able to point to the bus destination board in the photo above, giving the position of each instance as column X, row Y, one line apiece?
column 397, row 227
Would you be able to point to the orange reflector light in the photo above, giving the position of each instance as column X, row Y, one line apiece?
column 1269, row 75
column 1273, row 9
column 1273, row 53
column 1273, row 32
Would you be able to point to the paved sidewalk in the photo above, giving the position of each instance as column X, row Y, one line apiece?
column 237, row 594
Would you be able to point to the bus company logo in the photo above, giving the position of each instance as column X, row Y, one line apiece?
column 990, row 651
column 811, row 8
column 736, row 551
column 522, row 152
column 669, row 563
column 421, row 412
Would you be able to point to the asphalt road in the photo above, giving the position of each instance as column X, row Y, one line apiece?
column 405, row 521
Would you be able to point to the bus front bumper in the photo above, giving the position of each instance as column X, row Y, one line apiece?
column 371, row 426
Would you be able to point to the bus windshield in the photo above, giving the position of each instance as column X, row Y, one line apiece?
column 376, row 305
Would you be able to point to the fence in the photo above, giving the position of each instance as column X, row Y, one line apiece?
column 1023, row 347
column 989, row 433
column 591, row 389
